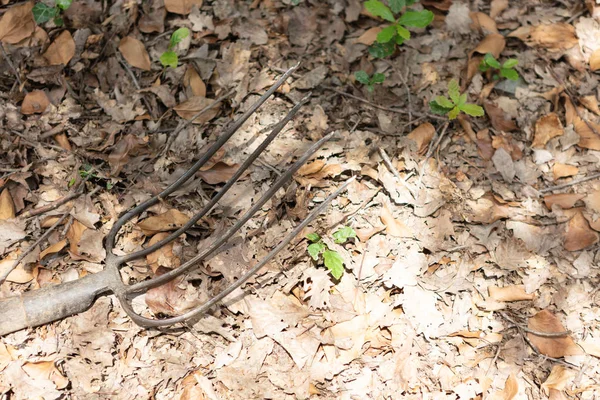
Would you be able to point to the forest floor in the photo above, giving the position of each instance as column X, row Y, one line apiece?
column 477, row 239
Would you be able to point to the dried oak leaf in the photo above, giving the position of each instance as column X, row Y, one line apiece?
column 168, row 221
column 127, row 146
column 557, row 37
column 62, row 50
column 493, row 43
column 563, row 170
column 192, row 80
column 17, row 23
column 422, row 136
column 35, row 102
column 7, row 206
column 546, row 322
column 135, row 53
column 564, row 200
column 578, row 234
column 500, row 120
column 369, row 37
column 182, row 7
column 510, row 293
column 45, row 370
column 546, row 128
column 394, row 227
column 588, row 131
column 192, row 106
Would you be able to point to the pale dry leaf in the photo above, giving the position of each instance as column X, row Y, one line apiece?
column 546, row 322
column 595, row 60
column 564, row 200
column 504, row 164
column 592, row 201
column 17, row 23
column 218, row 173
column 493, row 43
column 135, row 53
column 369, row 36
column 510, row 293
column 591, row 103
column 7, row 206
column 546, row 128
column 394, row 227
column 510, row 391
column 182, row 7
column 35, row 102
column 18, row 274
column 167, row 221
column 46, row 370
column 192, row 80
column 192, row 106
column 563, row 170
column 52, row 249
column 164, row 256
column 578, row 234
column 61, row 50
column 482, row 22
column 500, row 120
column 163, row 93
column 422, row 136
column 317, row 283
column 497, row 7
column 11, row 231
column 558, row 379
column 74, row 235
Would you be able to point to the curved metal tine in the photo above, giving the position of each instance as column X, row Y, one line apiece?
column 110, row 238
column 201, row 309
column 159, row 280
column 240, row 171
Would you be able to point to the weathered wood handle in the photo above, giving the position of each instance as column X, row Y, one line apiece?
column 49, row 304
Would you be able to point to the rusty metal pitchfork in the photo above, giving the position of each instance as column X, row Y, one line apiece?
column 39, row 307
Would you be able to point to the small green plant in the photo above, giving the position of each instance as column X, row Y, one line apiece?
column 169, row 58
column 365, row 79
column 332, row 259
column 43, row 13
column 396, row 33
column 457, row 102
column 506, row 70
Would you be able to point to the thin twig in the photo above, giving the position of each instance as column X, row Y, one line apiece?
column 394, row 110
column 569, row 184
column 25, row 253
column 12, row 67
column 135, row 83
column 56, row 203
column 388, row 163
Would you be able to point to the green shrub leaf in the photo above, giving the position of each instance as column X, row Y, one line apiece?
column 510, row 63
column 314, row 237
column 334, row 263
column 63, row 4
column 509, row 74
column 462, row 100
column 444, row 102
column 472, row 109
column 169, row 59
column 452, row 114
column 438, row 108
column 42, row 13
column 378, row 9
column 454, row 91
column 402, row 32
column 178, row 36
column 397, row 5
column 416, row 19
column 343, row 234
column 378, row 78
column 314, row 249
column 386, row 34
column 382, row 50
column 491, row 61
column 363, row 78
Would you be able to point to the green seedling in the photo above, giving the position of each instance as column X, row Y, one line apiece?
column 43, row 13
column 169, row 58
column 457, row 102
column 506, row 70
column 369, row 81
column 396, row 33
column 332, row 259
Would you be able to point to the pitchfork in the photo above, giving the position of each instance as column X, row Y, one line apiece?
column 39, row 307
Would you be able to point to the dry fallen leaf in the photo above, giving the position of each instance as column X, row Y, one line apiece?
column 7, row 207
column 595, row 60
column 546, row 128
column 546, row 322
column 55, row 248
column 17, row 23
column 564, row 200
column 182, row 7
column 218, row 173
column 499, row 119
column 497, row 7
column 558, row 379
column 578, row 234
column 167, row 221
column 46, row 370
column 493, row 43
column 192, row 80
column 554, row 37
column 483, row 22
column 588, row 131
column 369, row 37
column 135, row 53
column 510, row 293
column 563, row 170
column 62, row 50
column 422, row 136
column 35, row 102
column 511, row 389
column 394, row 227
column 192, row 106
column 163, row 257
